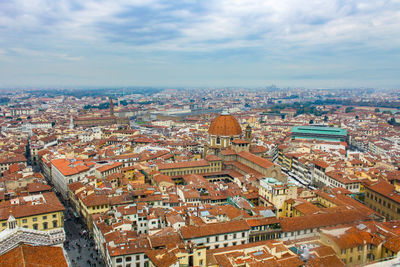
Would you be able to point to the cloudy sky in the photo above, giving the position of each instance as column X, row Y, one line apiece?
column 251, row 43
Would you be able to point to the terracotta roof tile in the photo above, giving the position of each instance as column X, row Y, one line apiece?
column 26, row 255
column 191, row 231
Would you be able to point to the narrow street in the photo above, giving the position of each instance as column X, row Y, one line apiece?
column 79, row 245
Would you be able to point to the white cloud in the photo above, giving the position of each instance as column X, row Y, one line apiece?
column 280, row 35
column 224, row 23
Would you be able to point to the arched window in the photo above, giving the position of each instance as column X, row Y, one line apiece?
column 45, row 226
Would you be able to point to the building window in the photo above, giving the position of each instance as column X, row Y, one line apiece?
column 35, row 226
column 54, row 224
column 343, row 251
column 118, row 260
column 24, row 220
column 45, row 225
column 54, row 215
column 34, row 219
column 129, row 258
column 137, row 257
column 44, row 217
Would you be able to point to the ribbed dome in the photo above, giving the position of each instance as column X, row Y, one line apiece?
column 225, row 125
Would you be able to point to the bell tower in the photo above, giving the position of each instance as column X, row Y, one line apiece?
column 248, row 134
column 111, row 106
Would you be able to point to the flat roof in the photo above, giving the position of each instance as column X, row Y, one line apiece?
column 319, row 130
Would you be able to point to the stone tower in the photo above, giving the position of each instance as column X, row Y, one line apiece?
column 248, row 134
column 111, row 107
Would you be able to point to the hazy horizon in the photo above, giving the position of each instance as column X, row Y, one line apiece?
column 311, row 44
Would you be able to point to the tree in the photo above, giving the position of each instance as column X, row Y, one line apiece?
column 393, row 121
column 348, row 109
column 311, row 121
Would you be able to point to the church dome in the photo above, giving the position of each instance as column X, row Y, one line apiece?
column 225, row 125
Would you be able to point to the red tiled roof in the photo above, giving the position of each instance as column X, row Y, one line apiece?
column 15, row 159
column 185, row 164
column 212, row 158
column 225, row 125
column 51, row 204
column 95, row 200
column 321, row 220
column 27, row 255
column 192, row 231
column 109, row 166
column 68, row 168
column 385, row 189
column 256, row 159
column 321, row 163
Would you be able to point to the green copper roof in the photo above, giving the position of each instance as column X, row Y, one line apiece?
column 318, row 130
